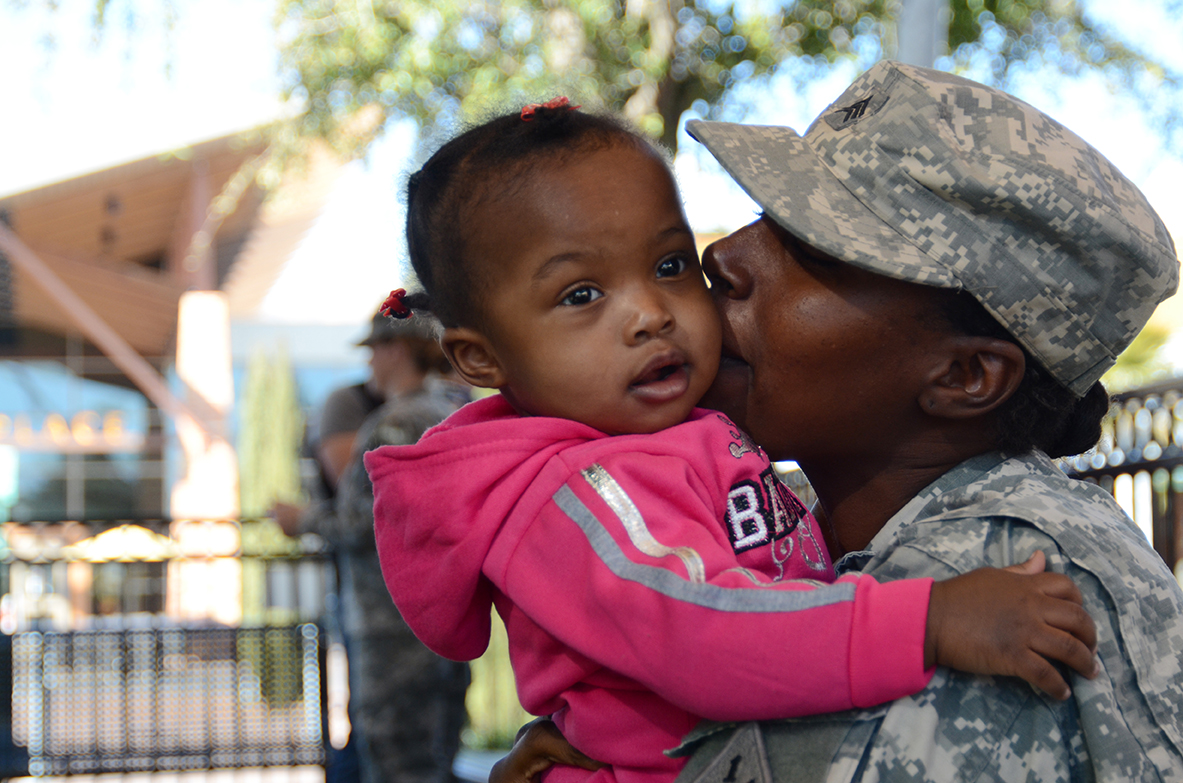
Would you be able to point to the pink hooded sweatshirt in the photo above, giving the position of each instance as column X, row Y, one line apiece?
column 641, row 579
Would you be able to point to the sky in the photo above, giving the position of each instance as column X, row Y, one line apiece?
column 73, row 105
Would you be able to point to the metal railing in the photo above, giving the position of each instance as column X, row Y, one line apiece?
column 167, row 699
column 1140, row 460
column 122, row 659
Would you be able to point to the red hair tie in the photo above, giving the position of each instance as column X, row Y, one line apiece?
column 560, row 102
column 394, row 306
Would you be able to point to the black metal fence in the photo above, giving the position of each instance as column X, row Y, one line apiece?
column 167, row 699
column 1140, row 460
column 106, row 676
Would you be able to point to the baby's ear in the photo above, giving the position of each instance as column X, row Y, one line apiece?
column 471, row 354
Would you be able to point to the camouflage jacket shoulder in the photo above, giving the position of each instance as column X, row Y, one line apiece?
column 1125, row 725
column 994, row 511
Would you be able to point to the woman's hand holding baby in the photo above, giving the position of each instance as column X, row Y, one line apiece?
column 1011, row 622
column 538, row 746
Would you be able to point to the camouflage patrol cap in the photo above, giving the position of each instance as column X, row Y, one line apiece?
column 934, row 179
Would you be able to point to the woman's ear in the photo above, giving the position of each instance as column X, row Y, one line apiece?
column 975, row 376
column 471, row 354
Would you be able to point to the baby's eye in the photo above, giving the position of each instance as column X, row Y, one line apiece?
column 582, row 296
column 672, row 266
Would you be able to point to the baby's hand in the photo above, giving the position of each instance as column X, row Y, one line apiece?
column 1010, row 622
column 538, row 747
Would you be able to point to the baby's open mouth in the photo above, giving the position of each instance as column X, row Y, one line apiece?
column 658, row 374
column 665, row 378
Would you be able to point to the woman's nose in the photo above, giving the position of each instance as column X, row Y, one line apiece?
column 723, row 267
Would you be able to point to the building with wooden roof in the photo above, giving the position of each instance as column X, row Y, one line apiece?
column 95, row 276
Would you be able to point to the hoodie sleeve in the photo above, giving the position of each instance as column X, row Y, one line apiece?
column 630, row 567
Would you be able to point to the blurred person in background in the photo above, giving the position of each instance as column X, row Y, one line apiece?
column 406, row 703
column 341, row 416
column 346, row 408
column 330, row 446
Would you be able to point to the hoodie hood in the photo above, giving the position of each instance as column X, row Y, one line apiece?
column 439, row 505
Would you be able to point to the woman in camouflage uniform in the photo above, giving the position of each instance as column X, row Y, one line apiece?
column 920, row 318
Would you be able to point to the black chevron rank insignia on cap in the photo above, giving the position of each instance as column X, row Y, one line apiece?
column 854, row 111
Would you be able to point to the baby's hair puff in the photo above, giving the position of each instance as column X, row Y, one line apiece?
column 476, row 168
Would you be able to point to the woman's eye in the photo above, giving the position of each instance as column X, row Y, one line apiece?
column 582, row 296
column 672, row 266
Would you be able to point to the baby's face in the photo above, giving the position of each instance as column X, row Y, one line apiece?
column 598, row 310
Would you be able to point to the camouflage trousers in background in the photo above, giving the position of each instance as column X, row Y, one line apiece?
column 407, row 708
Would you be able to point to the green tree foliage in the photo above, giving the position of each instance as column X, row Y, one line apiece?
column 494, row 712
column 271, row 427
column 1142, row 363
column 443, row 60
column 270, row 430
column 440, row 61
